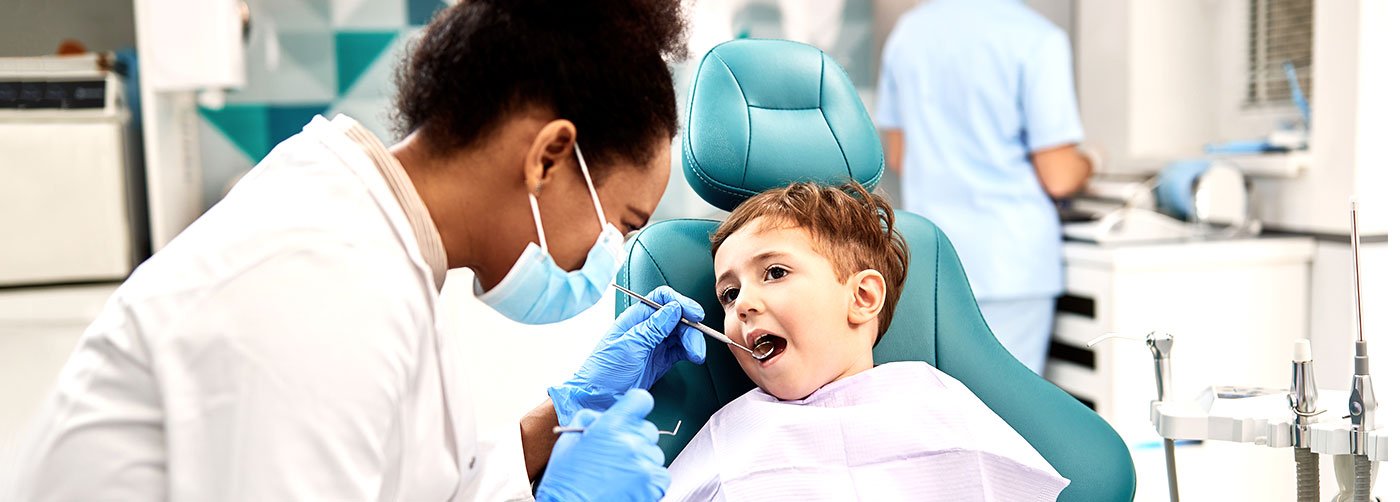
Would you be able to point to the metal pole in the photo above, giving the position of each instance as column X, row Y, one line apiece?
column 1161, row 347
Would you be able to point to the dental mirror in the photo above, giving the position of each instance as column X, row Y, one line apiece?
column 768, row 346
column 765, row 347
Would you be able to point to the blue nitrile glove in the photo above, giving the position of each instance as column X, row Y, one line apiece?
column 641, row 345
column 614, row 458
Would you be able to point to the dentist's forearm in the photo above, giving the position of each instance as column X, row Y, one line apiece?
column 893, row 140
column 537, row 438
column 1062, row 170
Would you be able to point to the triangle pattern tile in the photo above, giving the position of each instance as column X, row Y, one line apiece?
column 283, row 121
column 289, row 68
column 222, row 163
column 373, row 113
column 422, row 11
column 355, row 51
column 285, row 15
column 245, row 126
column 314, row 54
column 367, row 14
column 377, row 80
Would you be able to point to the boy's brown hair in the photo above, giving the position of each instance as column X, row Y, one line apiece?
column 851, row 227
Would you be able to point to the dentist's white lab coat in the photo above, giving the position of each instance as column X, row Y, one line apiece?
column 284, row 347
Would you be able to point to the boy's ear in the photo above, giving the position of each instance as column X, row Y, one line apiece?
column 868, row 296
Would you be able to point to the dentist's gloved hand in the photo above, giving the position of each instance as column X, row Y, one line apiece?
column 641, row 346
column 615, row 458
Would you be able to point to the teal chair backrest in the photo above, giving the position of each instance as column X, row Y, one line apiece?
column 764, row 113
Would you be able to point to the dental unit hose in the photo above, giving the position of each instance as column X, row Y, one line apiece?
column 1302, row 396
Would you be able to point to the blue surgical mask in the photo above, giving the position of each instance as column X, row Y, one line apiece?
column 538, row 291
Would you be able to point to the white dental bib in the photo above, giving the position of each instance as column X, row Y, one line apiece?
column 899, row 431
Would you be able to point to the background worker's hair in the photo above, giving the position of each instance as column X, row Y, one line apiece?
column 601, row 64
column 851, row 227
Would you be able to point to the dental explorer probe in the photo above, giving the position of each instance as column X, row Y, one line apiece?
column 708, row 331
column 559, row 429
column 1362, row 403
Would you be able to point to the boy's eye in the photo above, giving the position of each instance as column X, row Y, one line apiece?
column 728, row 296
column 774, row 273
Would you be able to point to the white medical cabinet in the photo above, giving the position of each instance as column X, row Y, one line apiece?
column 1234, row 306
column 66, row 212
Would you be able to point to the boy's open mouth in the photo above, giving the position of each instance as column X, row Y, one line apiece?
column 768, row 346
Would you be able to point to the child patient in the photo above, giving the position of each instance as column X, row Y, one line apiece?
column 817, row 271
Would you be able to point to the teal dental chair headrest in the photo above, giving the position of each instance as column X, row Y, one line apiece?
column 752, row 133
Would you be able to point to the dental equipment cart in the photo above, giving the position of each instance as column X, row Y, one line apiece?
column 70, row 197
column 1341, row 424
column 1215, row 296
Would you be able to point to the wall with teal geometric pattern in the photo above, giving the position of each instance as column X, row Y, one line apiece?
column 308, row 57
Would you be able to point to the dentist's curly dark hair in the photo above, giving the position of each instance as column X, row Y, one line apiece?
column 601, row 64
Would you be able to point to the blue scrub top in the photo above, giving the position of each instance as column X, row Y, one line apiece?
column 976, row 86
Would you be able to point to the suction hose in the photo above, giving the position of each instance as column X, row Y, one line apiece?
column 1309, row 489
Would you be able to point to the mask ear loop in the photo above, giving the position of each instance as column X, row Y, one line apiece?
column 535, row 209
column 597, row 206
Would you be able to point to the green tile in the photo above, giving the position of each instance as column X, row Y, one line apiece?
column 244, row 125
column 283, row 121
column 422, row 11
column 355, row 51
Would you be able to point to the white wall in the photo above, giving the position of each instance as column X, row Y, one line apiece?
column 1160, row 79
column 1170, row 79
column 1148, row 79
column 35, row 27
column 1354, row 122
column 1333, row 317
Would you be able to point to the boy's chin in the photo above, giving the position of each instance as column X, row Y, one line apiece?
column 790, row 392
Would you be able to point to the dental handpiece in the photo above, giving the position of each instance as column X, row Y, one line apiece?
column 1302, row 398
column 708, row 331
column 1302, row 393
column 1160, row 344
column 1362, row 402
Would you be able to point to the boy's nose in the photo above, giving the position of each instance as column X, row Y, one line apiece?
column 747, row 304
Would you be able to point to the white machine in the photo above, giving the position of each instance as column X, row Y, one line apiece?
column 66, row 212
column 1192, row 199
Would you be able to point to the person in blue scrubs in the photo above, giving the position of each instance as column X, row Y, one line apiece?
column 978, row 112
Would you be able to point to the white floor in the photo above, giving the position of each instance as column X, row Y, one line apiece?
column 38, row 329
column 513, row 365
column 1232, row 471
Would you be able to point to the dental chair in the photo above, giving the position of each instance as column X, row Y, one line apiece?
column 763, row 113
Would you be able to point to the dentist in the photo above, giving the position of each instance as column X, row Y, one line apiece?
column 285, row 345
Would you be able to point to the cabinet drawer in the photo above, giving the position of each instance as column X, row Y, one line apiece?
column 1084, row 384
column 1081, row 313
